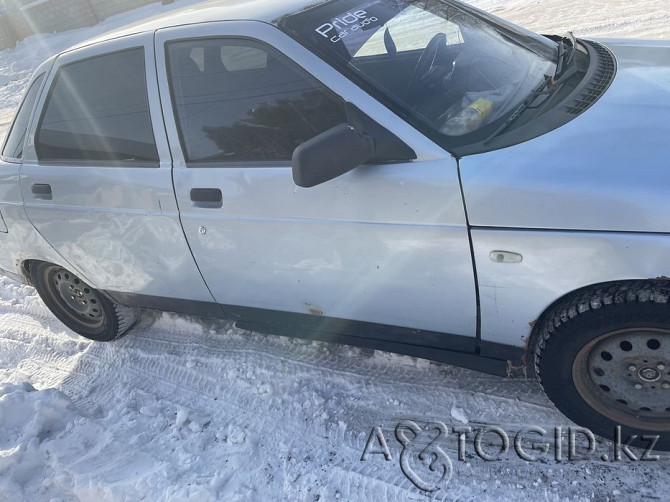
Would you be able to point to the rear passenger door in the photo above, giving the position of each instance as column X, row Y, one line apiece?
column 385, row 244
column 96, row 175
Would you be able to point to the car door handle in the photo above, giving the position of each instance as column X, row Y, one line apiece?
column 208, row 198
column 41, row 191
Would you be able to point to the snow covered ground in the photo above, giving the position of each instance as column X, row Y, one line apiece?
column 192, row 409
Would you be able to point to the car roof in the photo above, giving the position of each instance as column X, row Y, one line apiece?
column 268, row 11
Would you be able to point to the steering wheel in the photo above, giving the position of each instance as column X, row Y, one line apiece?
column 428, row 71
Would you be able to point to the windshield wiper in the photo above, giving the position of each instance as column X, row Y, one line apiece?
column 566, row 53
column 564, row 70
column 546, row 88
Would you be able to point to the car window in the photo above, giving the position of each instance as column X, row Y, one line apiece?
column 240, row 100
column 455, row 73
column 98, row 110
column 15, row 140
column 425, row 25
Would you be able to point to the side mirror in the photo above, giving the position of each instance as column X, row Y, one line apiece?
column 345, row 147
column 330, row 154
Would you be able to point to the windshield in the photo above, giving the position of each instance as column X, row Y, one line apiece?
column 455, row 70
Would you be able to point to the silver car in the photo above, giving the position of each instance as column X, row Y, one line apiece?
column 419, row 177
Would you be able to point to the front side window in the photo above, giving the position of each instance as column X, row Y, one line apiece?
column 239, row 100
column 456, row 72
column 98, row 110
column 16, row 137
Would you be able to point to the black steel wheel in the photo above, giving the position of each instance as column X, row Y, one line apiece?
column 604, row 360
column 79, row 306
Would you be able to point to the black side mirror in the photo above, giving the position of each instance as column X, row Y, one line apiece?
column 345, row 147
column 329, row 155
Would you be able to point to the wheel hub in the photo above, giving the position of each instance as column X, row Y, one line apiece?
column 77, row 295
column 625, row 374
column 649, row 374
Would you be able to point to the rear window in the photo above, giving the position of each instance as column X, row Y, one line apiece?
column 16, row 138
column 98, row 110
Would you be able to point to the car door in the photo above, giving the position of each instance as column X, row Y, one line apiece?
column 384, row 244
column 96, row 175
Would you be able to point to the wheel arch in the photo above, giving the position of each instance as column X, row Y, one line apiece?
column 24, row 267
column 624, row 322
column 583, row 293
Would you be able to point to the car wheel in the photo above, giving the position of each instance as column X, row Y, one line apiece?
column 80, row 307
column 603, row 358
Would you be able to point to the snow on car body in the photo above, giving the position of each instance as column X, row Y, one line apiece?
column 467, row 189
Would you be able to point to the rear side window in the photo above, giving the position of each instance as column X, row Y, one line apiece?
column 16, row 138
column 98, row 110
column 239, row 100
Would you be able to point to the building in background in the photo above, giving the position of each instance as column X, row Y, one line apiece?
column 22, row 18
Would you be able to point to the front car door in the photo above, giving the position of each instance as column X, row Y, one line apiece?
column 96, row 175
column 384, row 244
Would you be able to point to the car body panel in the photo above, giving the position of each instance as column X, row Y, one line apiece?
column 606, row 170
column 387, row 245
column 514, row 295
column 583, row 204
column 345, row 249
column 20, row 241
column 108, row 222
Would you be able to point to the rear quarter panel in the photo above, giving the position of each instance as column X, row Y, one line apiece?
column 19, row 241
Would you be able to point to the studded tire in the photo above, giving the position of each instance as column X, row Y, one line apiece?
column 603, row 358
column 80, row 307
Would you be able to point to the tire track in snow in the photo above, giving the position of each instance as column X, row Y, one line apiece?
column 159, row 374
column 142, row 361
column 216, row 372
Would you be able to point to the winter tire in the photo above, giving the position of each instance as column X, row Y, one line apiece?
column 80, row 307
column 603, row 358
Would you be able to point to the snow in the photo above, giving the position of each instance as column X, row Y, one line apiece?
column 196, row 409
column 459, row 414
